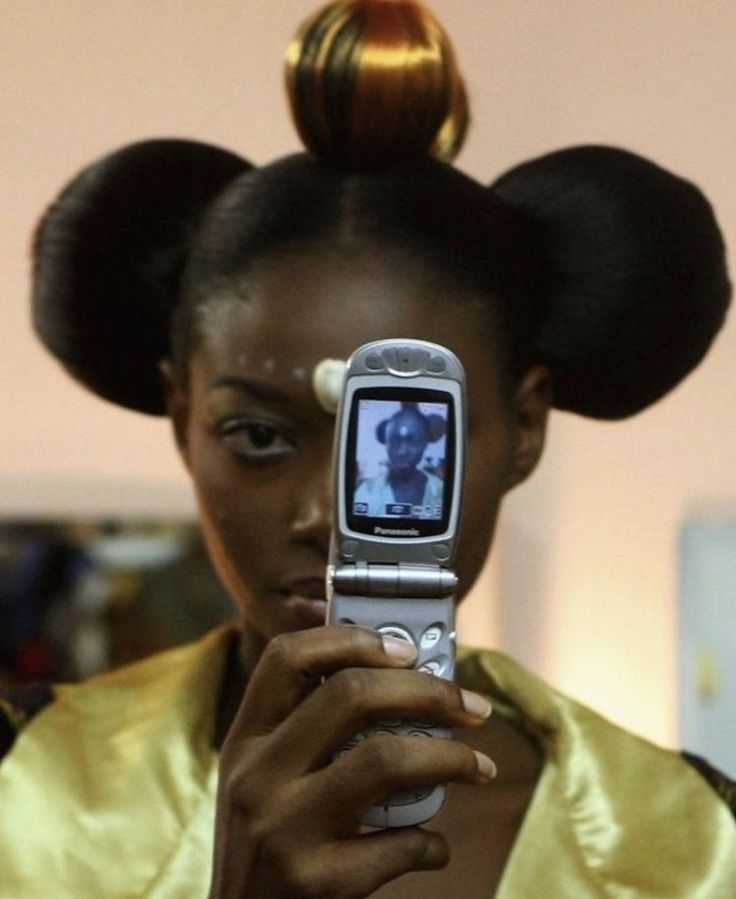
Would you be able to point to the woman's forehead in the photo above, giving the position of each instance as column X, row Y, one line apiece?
column 407, row 418
column 297, row 311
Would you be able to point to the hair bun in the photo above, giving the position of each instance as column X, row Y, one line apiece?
column 636, row 267
column 373, row 82
column 107, row 255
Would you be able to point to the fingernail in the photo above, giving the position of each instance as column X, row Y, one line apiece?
column 398, row 648
column 486, row 767
column 475, row 704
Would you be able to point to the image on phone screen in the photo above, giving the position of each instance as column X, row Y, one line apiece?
column 400, row 459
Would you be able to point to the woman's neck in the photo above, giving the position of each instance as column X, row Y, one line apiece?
column 242, row 656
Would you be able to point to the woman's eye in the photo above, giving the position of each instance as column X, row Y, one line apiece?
column 255, row 440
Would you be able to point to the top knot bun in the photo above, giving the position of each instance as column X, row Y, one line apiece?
column 374, row 82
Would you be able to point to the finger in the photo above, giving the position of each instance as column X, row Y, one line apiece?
column 354, row 698
column 379, row 766
column 357, row 867
column 293, row 664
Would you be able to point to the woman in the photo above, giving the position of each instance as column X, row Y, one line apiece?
column 589, row 279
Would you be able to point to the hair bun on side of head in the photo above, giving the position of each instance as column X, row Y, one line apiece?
column 375, row 82
column 635, row 263
column 107, row 256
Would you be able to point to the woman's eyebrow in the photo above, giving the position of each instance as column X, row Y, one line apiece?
column 259, row 389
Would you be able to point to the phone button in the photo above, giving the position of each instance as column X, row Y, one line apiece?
column 393, row 630
column 431, row 637
column 408, row 796
column 348, row 549
column 442, row 551
column 436, row 365
column 432, row 666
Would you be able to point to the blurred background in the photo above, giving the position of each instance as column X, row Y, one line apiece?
column 589, row 581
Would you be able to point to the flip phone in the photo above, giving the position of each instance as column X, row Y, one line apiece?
column 399, row 470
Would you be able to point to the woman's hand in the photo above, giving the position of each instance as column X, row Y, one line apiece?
column 287, row 815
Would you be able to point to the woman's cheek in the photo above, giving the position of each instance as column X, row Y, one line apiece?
column 244, row 525
column 224, row 544
column 484, row 490
column 227, row 519
column 476, row 534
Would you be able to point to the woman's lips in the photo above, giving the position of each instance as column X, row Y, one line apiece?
column 305, row 597
column 309, row 587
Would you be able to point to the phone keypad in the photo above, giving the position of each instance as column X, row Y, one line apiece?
column 425, row 725
column 432, row 644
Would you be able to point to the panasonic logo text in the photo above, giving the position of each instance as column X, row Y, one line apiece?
column 396, row 532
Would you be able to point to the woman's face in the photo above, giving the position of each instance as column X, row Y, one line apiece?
column 406, row 440
column 259, row 446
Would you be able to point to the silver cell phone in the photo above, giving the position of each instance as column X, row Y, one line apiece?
column 399, row 470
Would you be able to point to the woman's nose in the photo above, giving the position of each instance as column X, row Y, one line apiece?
column 312, row 518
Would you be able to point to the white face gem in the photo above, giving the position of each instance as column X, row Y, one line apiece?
column 327, row 379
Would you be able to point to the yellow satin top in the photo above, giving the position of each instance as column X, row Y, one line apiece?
column 109, row 793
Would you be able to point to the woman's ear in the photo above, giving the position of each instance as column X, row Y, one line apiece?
column 531, row 406
column 177, row 407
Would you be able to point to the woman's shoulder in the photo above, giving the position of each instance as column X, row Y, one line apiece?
column 369, row 485
column 608, row 799
column 570, row 730
column 123, row 767
column 18, row 707
column 179, row 683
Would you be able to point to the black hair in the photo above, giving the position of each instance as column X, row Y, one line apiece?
column 595, row 261
column 106, row 261
column 426, row 211
column 598, row 263
column 435, row 426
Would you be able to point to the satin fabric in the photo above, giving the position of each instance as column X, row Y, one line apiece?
column 110, row 792
column 612, row 815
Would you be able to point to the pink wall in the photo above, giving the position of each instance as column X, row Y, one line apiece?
column 583, row 584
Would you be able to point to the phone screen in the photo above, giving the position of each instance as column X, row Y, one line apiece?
column 400, row 462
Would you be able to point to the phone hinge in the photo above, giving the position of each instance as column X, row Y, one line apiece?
column 407, row 580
